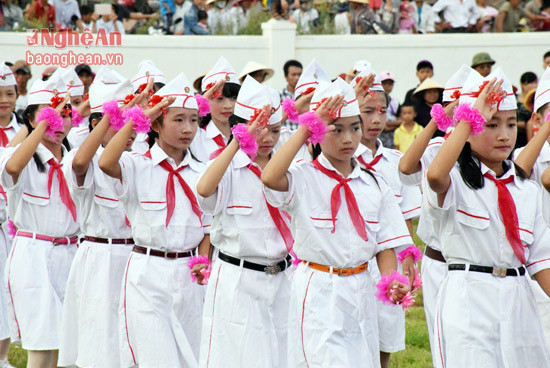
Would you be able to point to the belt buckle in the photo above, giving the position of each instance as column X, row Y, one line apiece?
column 272, row 270
column 166, row 255
column 499, row 272
column 58, row 241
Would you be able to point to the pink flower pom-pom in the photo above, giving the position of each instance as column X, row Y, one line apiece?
column 52, row 119
column 384, row 287
column 246, row 141
column 197, row 260
column 413, row 250
column 547, row 118
column 76, row 118
column 316, row 126
column 204, row 105
column 417, row 283
column 110, row 108
column 206, row 274
column 12, row 230
column 294, row 260
column 471, row 115
column 440, row 117
column 140, row 121
column 407, row 301
column 290, row 109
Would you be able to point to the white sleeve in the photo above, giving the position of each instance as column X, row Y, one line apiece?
column 539, row 250
column 288, row 200
column 6, row 179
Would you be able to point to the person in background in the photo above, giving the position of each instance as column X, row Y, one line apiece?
column 482, row 63
column 306, row 17
column 41, row 10
column 257, row 71
column 203, row 20
column 424, row 17
column 388, row 81
column 65, row 13
column 546, row 60
column 47, row 73
column 85, row 74
column 178, row 24
column 110, row 23
column 191, row 19
column 424, row 69
column 408, row 130
column 528, row 82
column 10, row 15
column 487, row 15
column 459, row 16
column 509, row 15
column 88, row 18
column 292, row 70
column 167, row 10
column 424, row 97
column 22, row 76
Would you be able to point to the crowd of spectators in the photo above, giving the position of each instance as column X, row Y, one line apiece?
column 202, row 17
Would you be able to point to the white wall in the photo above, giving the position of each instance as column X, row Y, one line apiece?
column 514, row 52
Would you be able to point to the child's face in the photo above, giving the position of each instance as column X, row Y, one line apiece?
column 424, row 73
column 497, row 141
column 431, row 96
column 340, row 145
column 373, row 114
column 76, row 100
column 538, row 117
column 221, row 109
column 178, row 128
column 407, row 114
column 546, row 62
column 7, row 100
column 267, row 139
column 388, row 86
column 86, row 18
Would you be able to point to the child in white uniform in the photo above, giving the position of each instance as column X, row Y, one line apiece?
column 341, row 218
column 161, row 307
column 45, row 216
column 246, row 305
column 492, row 232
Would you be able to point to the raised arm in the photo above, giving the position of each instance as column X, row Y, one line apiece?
column 528, row 155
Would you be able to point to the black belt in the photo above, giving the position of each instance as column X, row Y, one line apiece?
column 160, row 253
column 269, row 269
column 495, row 271
column 94, row 239
column 434, row 254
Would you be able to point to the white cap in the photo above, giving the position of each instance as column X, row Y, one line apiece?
column 146, row 70
column 542, row 95
column 7, row 77
column 70, row 80
column 42, row 92
column 361, row 65
column 376, row 85
column 253, row 96
column 101, row 93
column 108, row 76
column 475, row 80
column 311, row 76
column 350, row 106
column 455, row 82
column 179, row 87
column 221, row 70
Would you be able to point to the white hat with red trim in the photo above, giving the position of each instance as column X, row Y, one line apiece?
column 179, row 87
column 324, row 90
column 254, row 96
column 310, row 78
column 42, row 92
column 70, row 80
column 108, row 85
column 455, row 83
column 474, row 84
column 542, row 95
column 376, row 85
column 222, row 70
column 7, row 77
column 146, row 70
column 361, row 65
column 108, row 76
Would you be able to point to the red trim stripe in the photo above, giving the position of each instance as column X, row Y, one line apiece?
column 35, row 196
column 302, row 322
column 414, row 209
column 125, row 317
column 398, row 237
column 439, row 339
column 152, row 202
column 305, row 84
column 474, row 216
column 527, row 231
column 371, row 222
column 322, row 219
column 42, row 90
column 534, row 263
column 540, row 94
column 109, row 199
column 9, row 289
column 211, row 75
column 213, row 309
column 239, row 207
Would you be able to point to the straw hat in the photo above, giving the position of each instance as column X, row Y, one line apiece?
column 360, row 1
column 198, row 81
column 252, row 67
column 529, row 100
column 428, row 83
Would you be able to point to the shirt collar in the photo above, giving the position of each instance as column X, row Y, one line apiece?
column 326, row 163
column 46, row 155
column 363, row 150
column 241, row 159
column 212, row 131
column 511, row 172
column 158, row 155
column 13, row 122
column 545, row 152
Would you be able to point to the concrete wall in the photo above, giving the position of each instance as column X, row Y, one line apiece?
column 514, row 52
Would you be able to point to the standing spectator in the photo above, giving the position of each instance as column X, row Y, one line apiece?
column 41, row 10
column 424, row 17
column 406, row 17
column 362, row 17
column 65, row 13
column 482, row 63
column 167, row 10
column 388, row 81
column 407, row 132
column 10, row 15
column 178, row 24
column 528, row 82
column 238, row 15
column 534, row 8
column 509, row 15
column 87, row 18
column 486, row 15
column 424, row 97
column 110, row 23
column 293, row 71
column 85, row 74
column 191, row 19
column 424, row 69
column 22, row 76
column 306, row 18
column 342, row 17
column 203, row 20
column 458, row 15
column 217, row 15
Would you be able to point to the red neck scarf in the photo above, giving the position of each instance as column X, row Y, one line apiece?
column 63, row 188
column 507, row 208
column 369, row 165
column 221, row 143
column 4, row 141
column 336, row 200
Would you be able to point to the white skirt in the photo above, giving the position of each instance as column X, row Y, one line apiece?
column 160, row 313
column 486, row 321
column 245, row 318
column 332, row 320
column 36, row 277
column 5, row 247
column 90, row 323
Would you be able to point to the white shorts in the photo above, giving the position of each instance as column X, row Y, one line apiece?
column 36, row 277
column 5, row 247
column 160, row 313
column 90, row 324
column 543, row 304
column 245, row 318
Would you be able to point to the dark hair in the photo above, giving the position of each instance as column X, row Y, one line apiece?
column 290, row 63
column 201, row 14
column 542, row 108
column 470, row 168
column 528, row 77
column 424, row 64
column 86, row 9
column 230, row 90
column 94, row 115
column 405, row 104
column 29, row 112
column 546, row 54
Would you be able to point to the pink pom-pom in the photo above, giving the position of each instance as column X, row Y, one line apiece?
column 204, row 105
column 110, row 108
column 290, row 108
column 246, row 141
column 12, row 230
column 206, row 274
column 141, row 122
column 52, row 119
column 76, row 118
column 410, row 251
column 197, row 260
column 316, row 126
column 471, row 115
column 294, row 260
column 407, row 301
column 547, row 118
column 417, row 283
column 440, row 117
column 384, row 288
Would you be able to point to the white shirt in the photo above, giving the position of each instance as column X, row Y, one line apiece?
column 426, row 22
column 308, row 202
column 304, row 20
column 64, row 11
column 14, row 126
column 408, row 197
column 303, row 154
column 141, row 143
column 142, row 193
column 459, row 13
column 472, row 228
column 31, row 207
column 242, row 226
column 77, row 135
column 10, row 133
column 110, row 26
column 99, row 212
column 203, row 144
column 21, row 103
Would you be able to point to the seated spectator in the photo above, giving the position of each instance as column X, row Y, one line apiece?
column 203, row 20
column 458, row 15
column 85, row 74
column 10, row 15
column 424, row 97
column 545, row 16
column 406, row 17
column 533, row 7
column 87, row 18
column 509, row 15
column 238, row 15
column 424, row 70
column 279, row 9
column 191, row 19
column 306, row 18
column 181, row 7
column 110, row 23
column 424, row 17
column 42, row 11
column 486, row 15
column 167, row 10
column 67, row 14
column 342, row 17
column 217, row 15
column 482, row 63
